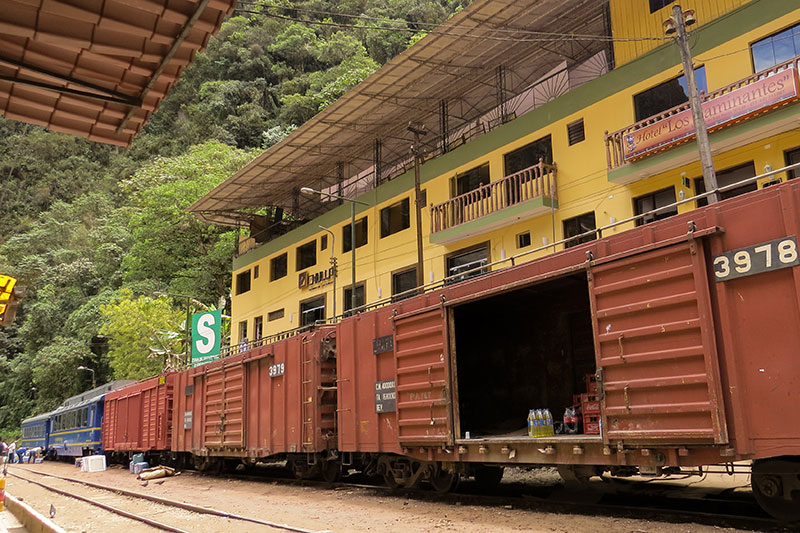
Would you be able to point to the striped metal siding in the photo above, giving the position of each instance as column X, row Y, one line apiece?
column 632, row 18
column 656, row 349
column 422, row 378
column 224, row 408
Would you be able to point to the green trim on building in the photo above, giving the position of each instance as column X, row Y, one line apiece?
column 499, row 217
column 737, row 22
column 623, row 172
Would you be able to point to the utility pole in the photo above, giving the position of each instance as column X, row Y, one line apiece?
column 418, row 130
column 677, row 24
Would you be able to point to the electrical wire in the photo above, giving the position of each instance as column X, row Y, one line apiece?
column 441, row 29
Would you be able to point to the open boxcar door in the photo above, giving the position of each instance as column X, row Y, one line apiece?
column 423, row 378
column 655, row 348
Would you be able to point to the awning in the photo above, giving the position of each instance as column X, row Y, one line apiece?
column 98, row 68
column 486, row 54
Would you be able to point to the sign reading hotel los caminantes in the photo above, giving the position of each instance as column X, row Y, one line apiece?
column 757, row 97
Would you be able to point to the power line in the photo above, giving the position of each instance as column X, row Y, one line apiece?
column 436, row 29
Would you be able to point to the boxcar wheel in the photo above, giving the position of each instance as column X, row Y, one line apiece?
column 488, row 477
column 771, row 479
column 331, row 471
column 443, row 481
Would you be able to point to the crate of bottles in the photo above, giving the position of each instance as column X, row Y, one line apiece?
column 591, row 424
column 591, row 384
column 590, row 404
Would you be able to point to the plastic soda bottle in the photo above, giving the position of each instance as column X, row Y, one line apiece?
column 539, row 421
column 530, row 423
column 548, row 424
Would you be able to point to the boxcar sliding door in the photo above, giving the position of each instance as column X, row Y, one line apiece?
column 656, row 349
column 423, row 378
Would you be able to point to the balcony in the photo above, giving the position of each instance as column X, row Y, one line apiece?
column 742, row 100
column 525, row 194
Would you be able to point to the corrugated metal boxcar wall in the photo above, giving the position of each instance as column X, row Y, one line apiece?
column 655, row 347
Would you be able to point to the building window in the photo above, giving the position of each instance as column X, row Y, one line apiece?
column 467, row 263
column 529, row 155
column 348, row 295
column 274, row 315
column 792, row 157
column 255, row 272
column 403, row 284
column 524, row 239
column 307, row 255
column 243, row 282
column 258, row 327
column 361, row 235
column 277, row 267
column 666, row 95
column 654, row 200
column 776, row 48
column 323, row 242
column 726, row 177
column 470, row 180
column 243, row 331
column 575, row 132
column 577, row 225
column 312, row 310
column 655, row 5
column 395, row 218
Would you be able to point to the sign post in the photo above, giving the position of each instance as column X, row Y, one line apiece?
column 206, row 333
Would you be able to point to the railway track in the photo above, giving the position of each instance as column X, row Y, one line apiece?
column 617, row 498
column 115, row 502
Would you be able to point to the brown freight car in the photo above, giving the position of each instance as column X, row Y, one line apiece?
column 138, row 418
column 274, row 401
column 691, row 325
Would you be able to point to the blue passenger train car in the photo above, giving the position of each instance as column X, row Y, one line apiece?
column 36, row 432
column 75, row 425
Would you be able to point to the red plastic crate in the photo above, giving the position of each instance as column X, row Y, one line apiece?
column 591, row 424
column 590, row 404
column 591, row 384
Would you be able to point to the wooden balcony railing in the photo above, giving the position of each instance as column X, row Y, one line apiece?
column 533, row 182
column 620, row 144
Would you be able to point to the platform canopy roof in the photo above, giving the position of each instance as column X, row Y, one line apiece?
column 98, row 68
column 456, row 63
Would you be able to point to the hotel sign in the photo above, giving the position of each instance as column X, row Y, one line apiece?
column 308, row 280
column 774, row 90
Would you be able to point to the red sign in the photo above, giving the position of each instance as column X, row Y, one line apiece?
column 771, row 91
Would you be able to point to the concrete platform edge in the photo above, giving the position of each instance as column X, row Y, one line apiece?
column 33, row 521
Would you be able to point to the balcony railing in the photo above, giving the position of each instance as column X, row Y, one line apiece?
column 533, row 182
column 620, row 144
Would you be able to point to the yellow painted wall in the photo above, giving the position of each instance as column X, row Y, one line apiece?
column 631, row 19
column 583, row 186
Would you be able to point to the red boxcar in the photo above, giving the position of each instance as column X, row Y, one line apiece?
column 273, row 400
column 690, row 324
column 138, row 418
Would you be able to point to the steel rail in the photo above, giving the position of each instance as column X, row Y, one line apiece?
column 126, row 514
column 174, row 503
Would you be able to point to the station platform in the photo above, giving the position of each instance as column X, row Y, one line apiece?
column 10, row 524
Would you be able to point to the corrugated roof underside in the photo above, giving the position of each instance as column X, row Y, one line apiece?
column 86, row 67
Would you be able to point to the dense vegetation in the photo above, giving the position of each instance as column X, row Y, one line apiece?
column 95, row 232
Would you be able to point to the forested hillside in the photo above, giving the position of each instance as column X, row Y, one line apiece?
column 96, row 232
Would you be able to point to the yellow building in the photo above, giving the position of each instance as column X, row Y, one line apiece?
column 543, row 120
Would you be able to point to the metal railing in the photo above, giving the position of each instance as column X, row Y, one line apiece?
column 615, row 142
column 484, row 268
column 536, row 181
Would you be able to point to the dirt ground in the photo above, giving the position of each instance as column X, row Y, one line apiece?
column 343, row 509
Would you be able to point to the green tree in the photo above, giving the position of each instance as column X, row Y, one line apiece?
column 140, row 334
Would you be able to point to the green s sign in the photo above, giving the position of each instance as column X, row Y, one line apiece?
column 206, row 329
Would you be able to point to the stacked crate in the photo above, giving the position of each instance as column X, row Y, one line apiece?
column 590, row 407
